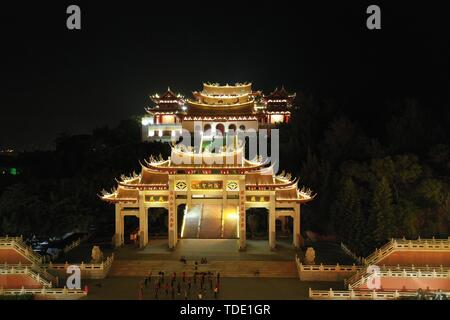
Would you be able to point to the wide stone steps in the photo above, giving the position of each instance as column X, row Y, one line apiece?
column 269, row 269
column 211, row 224
column 191, row 222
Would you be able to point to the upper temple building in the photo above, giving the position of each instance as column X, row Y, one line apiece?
column 215, row 108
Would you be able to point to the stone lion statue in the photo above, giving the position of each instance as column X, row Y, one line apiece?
column 97, row 254
column 310, row 256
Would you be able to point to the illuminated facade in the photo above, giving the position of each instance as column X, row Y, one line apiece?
column 216, row 196
column 215, row 108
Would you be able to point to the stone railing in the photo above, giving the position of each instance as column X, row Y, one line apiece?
column 397, row 272
column 405, row 245
column 351, row 253
column 74, row 244
column 324, row 272
column 19, row 269
column 18, row 244
column 46, row 293
column 359, row 295
column 88, row 270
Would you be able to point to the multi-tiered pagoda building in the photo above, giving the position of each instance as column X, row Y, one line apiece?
column 215, row 108
column 215, row 187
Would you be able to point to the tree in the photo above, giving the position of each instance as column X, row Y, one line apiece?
column 347, row 214
column 382, row 212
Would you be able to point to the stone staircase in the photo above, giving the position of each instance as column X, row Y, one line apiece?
column 230, row 223
column 191, row 222
column 232, row 269
column 211, row 223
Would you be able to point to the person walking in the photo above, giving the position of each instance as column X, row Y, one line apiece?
column 184, row 277
column 141, row 291
column 189, row 287
column 167, row 289
column 216, row 292
column 179, row 288
column 200, row 296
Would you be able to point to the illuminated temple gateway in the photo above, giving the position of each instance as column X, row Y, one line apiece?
column 216, row 197
column 215, row 188
column 215, row 108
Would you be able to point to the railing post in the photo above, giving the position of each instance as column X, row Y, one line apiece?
column 331, row 293
column 352, row 294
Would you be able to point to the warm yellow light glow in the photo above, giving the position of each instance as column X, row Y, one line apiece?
column 276, row 118
column 232, row 216
column 146, row 121
column 167, row 119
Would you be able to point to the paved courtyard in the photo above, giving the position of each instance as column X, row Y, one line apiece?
column 217, row 249
column 126, row 288
column 132, row 265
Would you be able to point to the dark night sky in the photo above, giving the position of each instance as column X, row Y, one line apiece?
column 56, row 80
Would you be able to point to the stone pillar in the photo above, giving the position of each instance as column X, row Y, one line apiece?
column 296, row 227
column 189, row 192
column 242, row 216
column 118, row 237
column 272, row 224
column 143, row 222
column 172, row 223
column 224, row 192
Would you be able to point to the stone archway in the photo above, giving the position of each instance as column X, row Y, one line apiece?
column 220, row 128
column 131, row 229
column 207, row 129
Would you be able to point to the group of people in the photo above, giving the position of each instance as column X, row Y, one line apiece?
column 199, row 285
column 427, row 295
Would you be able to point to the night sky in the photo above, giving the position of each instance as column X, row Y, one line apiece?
column 56, row 80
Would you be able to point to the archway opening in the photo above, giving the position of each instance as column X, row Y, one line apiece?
column 158, row 223
column 131, row 230
column 257, row 224
column 207, row 129
column 220, row 128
